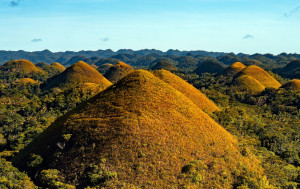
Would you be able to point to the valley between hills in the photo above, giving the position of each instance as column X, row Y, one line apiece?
column 149, row 119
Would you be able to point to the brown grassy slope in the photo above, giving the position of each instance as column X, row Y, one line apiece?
column 118, row 71
column 187, row 89
column 293, row 85
column 76, row 74
column 25, row 81
column 249, row 84
column 22, row 66
column 234, row 68
column 260, row 75
column 58, row 66
column 145, row 130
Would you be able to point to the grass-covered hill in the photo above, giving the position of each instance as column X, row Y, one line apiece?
column 164, row 65
column 234, row 68
column 104, row 68
column 249, row 84
column 118, row 71
column 260, row 75
column 140, row 133
column 25, row 81
column 210, row 66
column 293, row 85
column 22, row 66
column 58, row 66
column 187, row 89
column 77, row 74
column 291, row 70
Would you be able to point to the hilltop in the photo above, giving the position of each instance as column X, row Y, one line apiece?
column 260, row 75
column 58, row 66
column 248, row 83
column 210, row 66
column 21, row 66
column 188, row 90
column 291, row 70
column 78, row 73
column 293, row 85
column 164, row 65
column 104, row 68
column 234, row 68
column 118, row 71
column 141, row 132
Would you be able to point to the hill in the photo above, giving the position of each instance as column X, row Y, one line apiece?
column 77, row 74
column 260, row 75
column 25, row 81
column 210, row 66
column 118, row 71
column 21, row 66
column 291, row 70
column 164, row 65
column 58, row 66
column 140, row 133
column 187, row 89
column 248, row 83
column 293, row 85
column 104, row 68
column 234, row 68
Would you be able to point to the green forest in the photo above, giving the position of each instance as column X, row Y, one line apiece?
column 87, row 122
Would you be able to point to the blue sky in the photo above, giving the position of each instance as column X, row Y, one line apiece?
column 248, row 26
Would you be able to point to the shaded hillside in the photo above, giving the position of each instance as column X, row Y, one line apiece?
column 260, row 75
column 210, row 66
column 164, row 65
column 291, row 70
column 77, row 74
column 104, row 68
column 141, row 133
column 188, row 90
column 249, row 84
column 234, row 68
column 118, row 71
column 293, row 85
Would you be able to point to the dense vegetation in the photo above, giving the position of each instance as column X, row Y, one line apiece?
column 265, row 122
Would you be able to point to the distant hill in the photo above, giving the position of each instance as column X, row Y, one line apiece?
column 118, row 71
column 78, row 73
column 234, row 68
column 104, row 68
column 188, row 90
column 141, row 132
column 293, row 85
column 210, row 66
column 249, row 84
column 21, row 66
column 260, row 75
column 291, row 70
column 164, row 65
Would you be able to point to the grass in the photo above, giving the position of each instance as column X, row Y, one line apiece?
column 249, row 84
column 77, row 74
column 118, row 71
column 58, row 66
column 260, row 75
column 234, row 68
column 22, row 66
column 188, row 90
column 25, row 81
column 146, row 131
column 293, row 85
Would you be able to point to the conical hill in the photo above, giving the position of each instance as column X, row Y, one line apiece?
column 234, row 68
column 104, row 68
column 21, row 66
column 248, row 83
column 164, row 65
column 118, row 71
column 293, row 85
column 140, row 132
column 188, row 90
column 77, row 74
column 260, row 75
column 58, row 66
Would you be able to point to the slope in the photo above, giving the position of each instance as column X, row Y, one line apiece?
column 260, row 75
column 21, row 66
column 234, row 68
column 293, row 85
column 118, row 71
column 187, row 89
column 58, row 66
column 138, row 133
column 164, row 65
column 77, row 74
column 210, row 66
column 248, row 83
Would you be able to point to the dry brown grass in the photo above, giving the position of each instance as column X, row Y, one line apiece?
column 146, row 130
column 293, row 85
column 77, row 74
column 118, row 71
column 188, row 90
column 23, row 66
column 249, row 84
column 58, row 66
column 234, row 68
column 25, row 81
column 260, row 75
